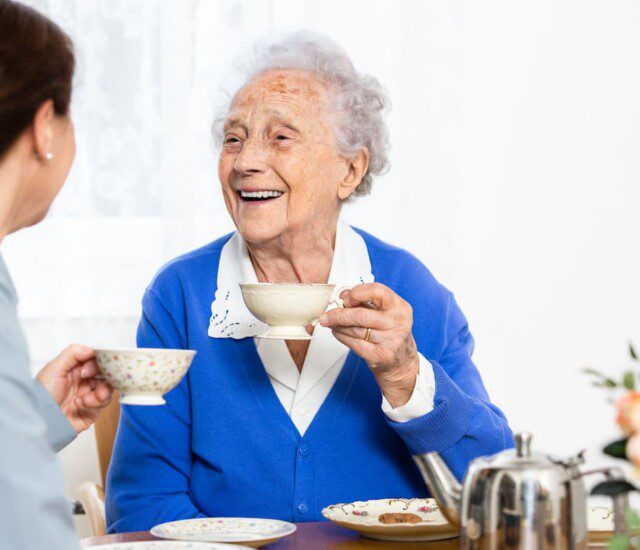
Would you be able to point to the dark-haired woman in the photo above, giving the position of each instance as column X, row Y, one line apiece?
column 37, row 417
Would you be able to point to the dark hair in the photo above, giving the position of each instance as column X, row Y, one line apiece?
column 36, row 64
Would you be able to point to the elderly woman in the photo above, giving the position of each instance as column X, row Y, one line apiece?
column 280, row 429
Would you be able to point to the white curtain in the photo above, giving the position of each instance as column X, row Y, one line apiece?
column 144, row 187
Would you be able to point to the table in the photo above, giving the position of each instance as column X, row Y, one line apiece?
column 316, row 536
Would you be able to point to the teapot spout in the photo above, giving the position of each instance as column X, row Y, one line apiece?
column 443, row 485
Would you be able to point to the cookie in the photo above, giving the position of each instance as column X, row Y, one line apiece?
column 399, row 518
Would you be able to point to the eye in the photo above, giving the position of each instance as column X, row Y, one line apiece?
column 282, row 137
column 231, row 141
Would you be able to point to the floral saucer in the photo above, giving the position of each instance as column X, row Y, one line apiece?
column 368, row 518
column 167, row 545
column 253, row 532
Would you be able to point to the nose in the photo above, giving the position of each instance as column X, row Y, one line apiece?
column 252, row 159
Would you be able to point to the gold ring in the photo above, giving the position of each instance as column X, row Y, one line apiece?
column 367, row 335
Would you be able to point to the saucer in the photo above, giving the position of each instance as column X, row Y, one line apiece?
column 254, row 532
column 167, row 545
column 363, row 517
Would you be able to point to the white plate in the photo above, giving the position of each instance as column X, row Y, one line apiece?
column 249, row 531
column 167, row 545
column 363, row 517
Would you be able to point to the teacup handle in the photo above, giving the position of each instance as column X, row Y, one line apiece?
column 335, row 296
column 335, row 299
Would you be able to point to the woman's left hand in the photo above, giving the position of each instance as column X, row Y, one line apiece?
column 390, row 350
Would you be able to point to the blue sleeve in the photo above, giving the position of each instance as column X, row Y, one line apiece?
column 148, row 479
column 463, row 424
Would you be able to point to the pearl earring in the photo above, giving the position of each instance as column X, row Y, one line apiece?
column 49, row 156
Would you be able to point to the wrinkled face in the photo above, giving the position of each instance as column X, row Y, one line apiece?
column 279, row 167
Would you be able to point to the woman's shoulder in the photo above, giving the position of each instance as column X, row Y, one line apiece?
column 393, row 264
column 435, row 311
column 191, row 266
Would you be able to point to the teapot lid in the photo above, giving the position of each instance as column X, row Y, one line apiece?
column 521, row 457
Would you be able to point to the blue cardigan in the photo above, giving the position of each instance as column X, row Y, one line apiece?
column 224, row 445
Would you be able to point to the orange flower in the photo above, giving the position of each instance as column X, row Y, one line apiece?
column 633, row 449
column 629, row 413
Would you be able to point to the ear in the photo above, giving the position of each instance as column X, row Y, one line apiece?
column 357, row 168
column 42, row 130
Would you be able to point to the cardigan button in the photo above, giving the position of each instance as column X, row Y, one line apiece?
column 304, row 449
column 303, row 508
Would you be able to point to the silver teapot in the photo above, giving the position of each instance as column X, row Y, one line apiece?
column 517, row 499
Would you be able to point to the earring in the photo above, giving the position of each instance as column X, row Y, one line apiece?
column 49, row 156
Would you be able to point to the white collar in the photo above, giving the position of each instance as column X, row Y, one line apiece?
column 230, row 317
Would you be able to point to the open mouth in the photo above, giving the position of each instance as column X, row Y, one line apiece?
column 255, row 196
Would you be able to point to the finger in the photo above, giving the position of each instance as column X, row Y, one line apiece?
column 350, row 301
column 72, row 356
column 356, row 317
column 364, row 349
column 88, row 401
column 355, row 332
column 84, row 388
column 104, row 392
column 90, row 369
column 91, row 401
column 381, row 296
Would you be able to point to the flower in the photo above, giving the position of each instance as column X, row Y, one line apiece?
column 629, row 412
column 633, row 449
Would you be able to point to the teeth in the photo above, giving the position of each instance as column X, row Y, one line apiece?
column 260, row 194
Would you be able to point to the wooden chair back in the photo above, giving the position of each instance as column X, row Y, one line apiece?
column 105, row 429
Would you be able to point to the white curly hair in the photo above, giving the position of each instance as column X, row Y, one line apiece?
column 358, row 99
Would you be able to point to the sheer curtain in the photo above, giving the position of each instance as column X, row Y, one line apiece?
column 144, row 188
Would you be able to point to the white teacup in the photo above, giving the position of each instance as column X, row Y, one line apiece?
column 144, row 375
column 288, row 308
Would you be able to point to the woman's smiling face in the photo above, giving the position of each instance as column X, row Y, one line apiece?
column 279, row 166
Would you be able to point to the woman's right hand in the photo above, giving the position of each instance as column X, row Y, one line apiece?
column 71, row 380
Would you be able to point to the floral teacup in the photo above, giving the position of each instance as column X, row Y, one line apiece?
column 143, row 376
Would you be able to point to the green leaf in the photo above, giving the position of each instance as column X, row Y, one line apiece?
column 633, row 520
column 613, row 488
column 629, row 380
column 593, row 372
column 617, row 449
column 632, row 352
column 604, row 381
column 605, row 384
column 620, row 542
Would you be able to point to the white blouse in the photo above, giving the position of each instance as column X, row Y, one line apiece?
column 302, row 393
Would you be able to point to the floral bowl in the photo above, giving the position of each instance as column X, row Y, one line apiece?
column 143, row 376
